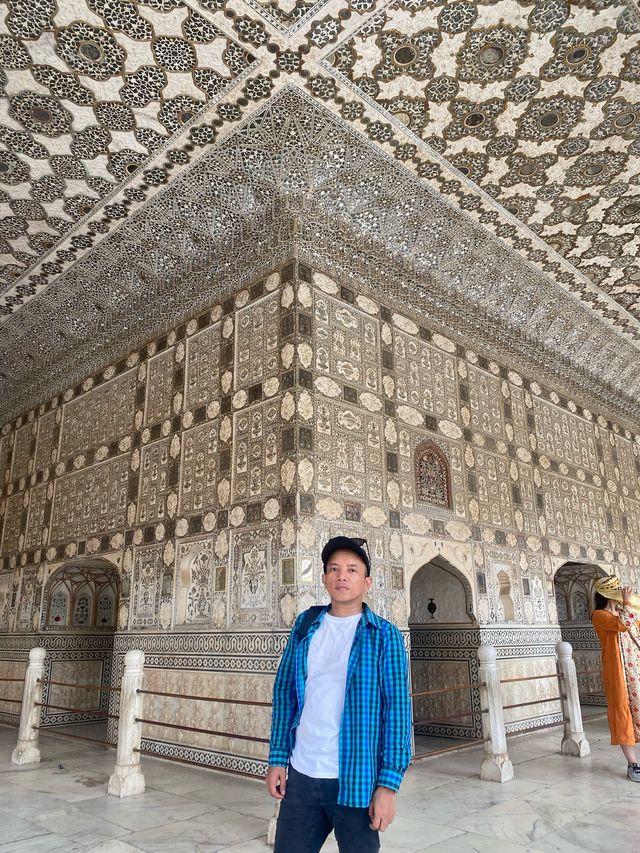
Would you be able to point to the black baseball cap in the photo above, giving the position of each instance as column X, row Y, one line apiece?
column 339, row 543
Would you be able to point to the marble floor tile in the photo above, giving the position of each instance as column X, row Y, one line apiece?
column 517, row 821
column 584, row 795
column 407, row 835
column 469, row 842
column 212, row 831
column 555, row 804
column 581, row 836
column 47, row 843
column 222, row 788
column 145, row 811
column 262, row 808
column 73, row 823
column 13, row 828
column 14, row 801
column 173, row 778
column 460, row 765
column 71, row 784
column 458, row 800
column 424, row 778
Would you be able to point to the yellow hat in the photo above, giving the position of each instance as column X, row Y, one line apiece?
column 610, row 587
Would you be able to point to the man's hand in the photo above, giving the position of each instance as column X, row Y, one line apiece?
column 277, row 782
column 382, row 808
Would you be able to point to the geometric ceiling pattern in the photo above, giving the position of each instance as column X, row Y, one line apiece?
column 90, row 91
column 540, row 107
column 154, row 155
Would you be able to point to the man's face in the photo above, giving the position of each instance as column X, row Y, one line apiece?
column 345, row 578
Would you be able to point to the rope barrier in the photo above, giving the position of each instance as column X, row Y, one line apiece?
column 12, row 679
column 15, row 701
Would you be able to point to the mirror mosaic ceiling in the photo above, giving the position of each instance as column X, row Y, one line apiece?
column 481, row 156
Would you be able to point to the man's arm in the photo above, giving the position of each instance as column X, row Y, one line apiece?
column 396, row 733
column 396, row 711
column 283, row 714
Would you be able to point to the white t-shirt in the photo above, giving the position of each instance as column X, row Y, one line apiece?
column 315, row 752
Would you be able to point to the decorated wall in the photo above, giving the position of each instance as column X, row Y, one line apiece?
column 209, row 467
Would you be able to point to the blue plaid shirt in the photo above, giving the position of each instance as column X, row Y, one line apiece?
column 375, row 732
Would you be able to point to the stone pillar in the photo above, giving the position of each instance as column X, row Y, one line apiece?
column 574, row 740
column 26, row 751
column 127, row 778
column 496, row 765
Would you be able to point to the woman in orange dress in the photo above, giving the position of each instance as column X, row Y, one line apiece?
column 618, row 629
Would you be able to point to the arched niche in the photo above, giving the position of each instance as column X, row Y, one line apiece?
column 504, row 594
column 444, row 640
column 80, row 597
column 82, row 594
column 419, row 551
column 573, row 584
column 440, row 593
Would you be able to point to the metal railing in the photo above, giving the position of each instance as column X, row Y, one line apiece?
column 128, row 779
column 191, row 697
column 509, row 731
column 10, row 700
column 439, row 719
column 496, row 764
column 561, row 698
column 94, row 714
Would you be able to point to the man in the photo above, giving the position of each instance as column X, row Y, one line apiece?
column 341, row 716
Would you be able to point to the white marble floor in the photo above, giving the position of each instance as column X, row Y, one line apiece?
column 554, row 804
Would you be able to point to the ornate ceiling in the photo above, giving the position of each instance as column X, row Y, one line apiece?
column 480, row 161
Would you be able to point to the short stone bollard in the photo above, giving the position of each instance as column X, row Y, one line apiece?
column 574, row 740
column 127, row 777
column 496, row 765
column 27, row 751
column 273, row 825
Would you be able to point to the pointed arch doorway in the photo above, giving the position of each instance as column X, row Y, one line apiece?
column 80, row 609
column 573, row 585
column 444, row 639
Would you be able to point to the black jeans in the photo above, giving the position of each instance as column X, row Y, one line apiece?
column 310, row 811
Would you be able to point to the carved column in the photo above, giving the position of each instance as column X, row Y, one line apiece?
column 496, row 764
column 574, row 740
column 27, row 751
column 127, row 778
